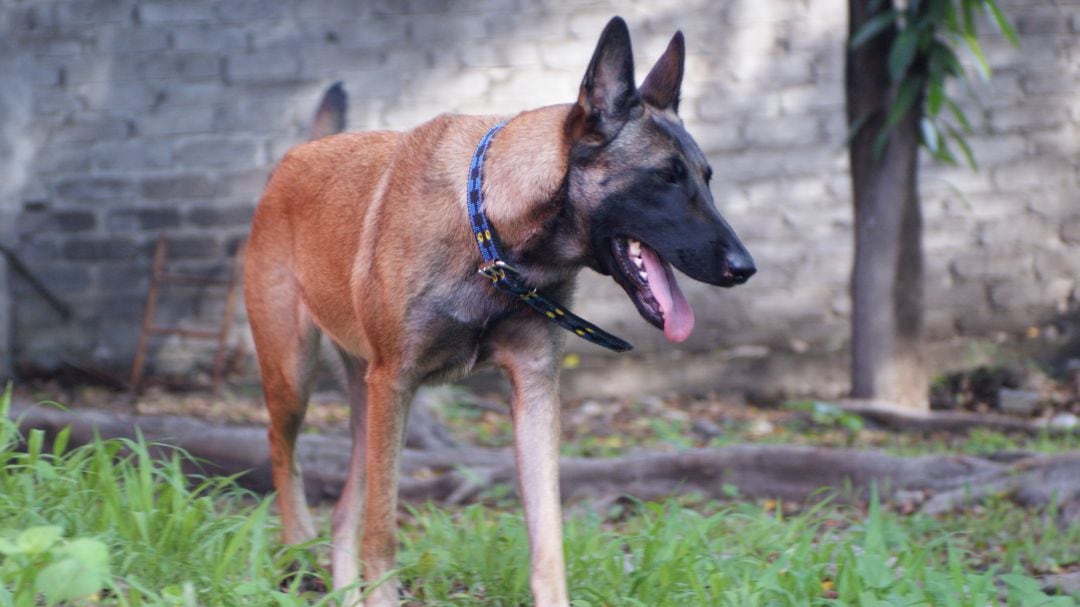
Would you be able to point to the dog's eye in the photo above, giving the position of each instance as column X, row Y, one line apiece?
column 708, row 175
column 674, row 174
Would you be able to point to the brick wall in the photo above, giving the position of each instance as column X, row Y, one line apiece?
column 144, row 116
column 16, row 151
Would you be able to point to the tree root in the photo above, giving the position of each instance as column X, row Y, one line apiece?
column 894, row 417
column 932, row 484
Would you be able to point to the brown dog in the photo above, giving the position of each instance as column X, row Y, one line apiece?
column 366, row 238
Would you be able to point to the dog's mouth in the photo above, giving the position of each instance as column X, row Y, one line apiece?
column 650, row 282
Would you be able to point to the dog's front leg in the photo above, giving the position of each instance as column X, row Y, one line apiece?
column 533, row 371
column 389, row 396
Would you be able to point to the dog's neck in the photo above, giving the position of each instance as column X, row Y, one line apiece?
column 525, row 178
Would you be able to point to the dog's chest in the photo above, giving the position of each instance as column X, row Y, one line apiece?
column 448, row 333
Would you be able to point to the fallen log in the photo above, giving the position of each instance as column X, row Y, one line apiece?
column 938, row 483
column 241, row 449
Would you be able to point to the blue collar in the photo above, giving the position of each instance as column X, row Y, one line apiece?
column 509, row 280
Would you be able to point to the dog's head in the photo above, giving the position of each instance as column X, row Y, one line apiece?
column 642, row 185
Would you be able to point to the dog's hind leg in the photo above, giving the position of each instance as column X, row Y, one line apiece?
column 287, row 343
column 345, row 540
column 287, row 407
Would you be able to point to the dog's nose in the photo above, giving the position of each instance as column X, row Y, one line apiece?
column 740, row 266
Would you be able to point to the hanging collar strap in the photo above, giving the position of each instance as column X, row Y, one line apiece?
column 509, row 280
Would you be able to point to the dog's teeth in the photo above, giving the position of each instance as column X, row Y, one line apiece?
column 639, row 262
column 635, row 248
column 643, row 275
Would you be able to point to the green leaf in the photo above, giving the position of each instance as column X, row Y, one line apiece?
column 935, row 96
column 958, row 137
column 873, row 571
column 1022, row 584
column 903, row 51
column 874, row 542
column 68, row 579
column 851, row 422
column 980, row 58
column 880, row 142
column 37, row 540
column 8, row 430
column 90, row 552
column 867, row 599
column 939, row 10
column 952, row 24
column 905, row 98
column 35, row 440
column 959, row 114
column 855, row 127
column 1002, row 22
column 944, row 153
column 872, row 28
column 929, row 134
column 941, row 54
column 968, row 7
column 8, row 548
column 249, row 588
column 286, row 600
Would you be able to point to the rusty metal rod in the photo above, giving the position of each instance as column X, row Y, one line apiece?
column 39, row 286
column 160, row 277
column 148, row 316
column 184, row 279
column 182, row 332
column 226, row 324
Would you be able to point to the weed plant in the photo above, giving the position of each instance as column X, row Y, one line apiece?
column 743, row 556
column 124, row 522
column 131, row 526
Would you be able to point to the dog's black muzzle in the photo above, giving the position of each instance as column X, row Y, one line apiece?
column 717, row 258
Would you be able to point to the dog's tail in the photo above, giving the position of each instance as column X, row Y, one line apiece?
column 330, row 117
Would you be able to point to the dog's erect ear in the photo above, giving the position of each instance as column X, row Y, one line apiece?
column 661, row 86
column 607, row 92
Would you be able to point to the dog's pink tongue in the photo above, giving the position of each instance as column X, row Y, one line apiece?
column 678, row 315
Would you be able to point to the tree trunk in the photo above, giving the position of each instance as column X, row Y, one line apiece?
column 887, row 278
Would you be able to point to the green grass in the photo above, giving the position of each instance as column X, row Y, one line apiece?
column 123, row 523
column 171, row 539
column 745, row 555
